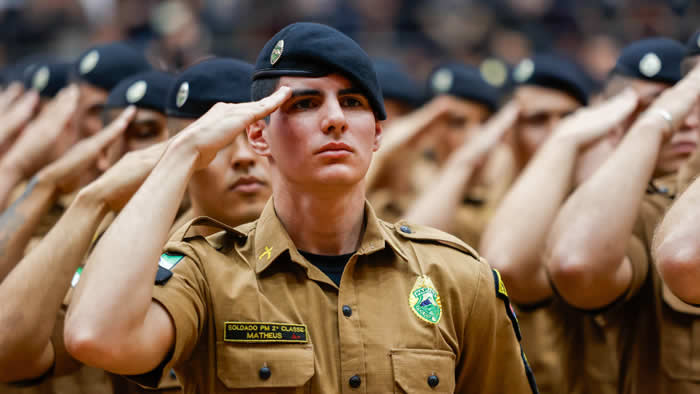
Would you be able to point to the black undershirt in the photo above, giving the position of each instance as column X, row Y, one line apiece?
column 332, row 266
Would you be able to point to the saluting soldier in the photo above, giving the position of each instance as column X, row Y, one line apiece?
column 32, row 352
column 235, row 186
column 598, row 256
column 515, row 238
column 318, row 294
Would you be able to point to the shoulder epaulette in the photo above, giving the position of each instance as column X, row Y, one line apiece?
column 424, row 233
column 206, row 221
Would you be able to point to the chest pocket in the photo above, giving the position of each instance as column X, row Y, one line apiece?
column 680, row 346
column 284, row 369
column 423, row 371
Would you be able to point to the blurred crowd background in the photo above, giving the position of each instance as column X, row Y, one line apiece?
column 419, row 33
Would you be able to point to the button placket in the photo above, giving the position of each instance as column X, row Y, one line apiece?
column 352, row 357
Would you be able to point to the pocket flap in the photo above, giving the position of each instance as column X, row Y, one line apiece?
column 414, row 368
column 239, row 366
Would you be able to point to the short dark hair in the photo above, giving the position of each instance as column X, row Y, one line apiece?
column 263, row 87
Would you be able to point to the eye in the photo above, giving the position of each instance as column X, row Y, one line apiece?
column 456, row 121
column 304, row 104
column 537, row 119
column 351, row 102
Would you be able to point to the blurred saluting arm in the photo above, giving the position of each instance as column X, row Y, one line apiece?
column 113, row 323
column 586, row 250
column 36, row 287
column 436, row 206
column 515, row 238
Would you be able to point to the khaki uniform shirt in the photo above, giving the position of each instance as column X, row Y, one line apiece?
column 648, row 341
column 416, row 311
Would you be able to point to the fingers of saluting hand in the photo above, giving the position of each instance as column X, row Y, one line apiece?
column 269, row 104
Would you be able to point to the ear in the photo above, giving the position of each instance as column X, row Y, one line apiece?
column 377, row 135
column 257, row 137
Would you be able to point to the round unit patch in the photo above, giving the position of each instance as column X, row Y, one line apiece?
column 442, row 81
column 524, row 70
column 136, row 91
column 650, row 65
column 277, row 52
column 89, row 62
column 494, row 72
column 182, row 94
column 41, row 78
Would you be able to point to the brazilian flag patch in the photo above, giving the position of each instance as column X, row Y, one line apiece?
column 165, row 265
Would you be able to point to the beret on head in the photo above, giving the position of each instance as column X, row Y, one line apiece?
column 465, row 82
column 48, row 78
column 105, row 65
column 315, row 50
column 396, row 84
column 692, row 47
column 653, row 59
column 144, row 90
column 554, row 72
column 204, row 84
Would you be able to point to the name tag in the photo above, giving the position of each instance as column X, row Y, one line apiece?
column 261, row 332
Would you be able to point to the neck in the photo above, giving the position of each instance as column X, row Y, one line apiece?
column 328, row 222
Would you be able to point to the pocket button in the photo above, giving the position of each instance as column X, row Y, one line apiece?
column 265, row 373
column 433, row 380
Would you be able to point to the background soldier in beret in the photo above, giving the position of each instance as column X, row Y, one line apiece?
column 301, row 297
column 234, row 187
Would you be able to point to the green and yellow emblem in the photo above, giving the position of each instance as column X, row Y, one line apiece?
column 277, row 52
column 41, row 79
column 424, row 300
column 89, row 62
column 136, row 91
column 182, row 93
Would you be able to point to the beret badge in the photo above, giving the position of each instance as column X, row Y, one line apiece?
column 277, row 52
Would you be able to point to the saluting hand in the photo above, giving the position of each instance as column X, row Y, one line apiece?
column 588, row 124
column 15, row 118
column 66, row 171
column 9, row 95
column 35, row 147
column 219, row 127
column 669, row 110
column 475, row 149
column 116, row 186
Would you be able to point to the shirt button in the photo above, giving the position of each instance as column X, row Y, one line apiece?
column 347, row 311
column 264, row 373
column 433, row 381
column 405, row 229
column 355, row 381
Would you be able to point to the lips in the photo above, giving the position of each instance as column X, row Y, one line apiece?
column 335, row 147
column 684, row 147
column 247, row 184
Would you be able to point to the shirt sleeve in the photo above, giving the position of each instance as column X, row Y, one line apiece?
column 492, row 360
column 182, row 290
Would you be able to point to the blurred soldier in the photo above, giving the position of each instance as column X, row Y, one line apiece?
column 34, row 352
column 514, row 240
column 401, row 92
column 598, row 254
column 244, row 309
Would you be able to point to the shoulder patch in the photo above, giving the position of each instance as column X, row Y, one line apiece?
column 76, row 277
column 503, row 295
column 165, row 265
column 424, row 233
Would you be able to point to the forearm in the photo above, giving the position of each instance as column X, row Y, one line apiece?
column 677, row 246
column 514, row 240
column 587, row 244
column 396, row 138
column 9, row 179
column 18, row 222
column 436, row 205
column 113, row 297
column 34, row 290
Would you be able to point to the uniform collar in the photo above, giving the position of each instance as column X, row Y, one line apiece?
column 272, row 240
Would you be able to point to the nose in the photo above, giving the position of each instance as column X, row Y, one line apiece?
column 692, row 120
column 243, row 156
column 334, row 120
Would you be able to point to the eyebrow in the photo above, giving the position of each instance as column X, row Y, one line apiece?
column 314, row 92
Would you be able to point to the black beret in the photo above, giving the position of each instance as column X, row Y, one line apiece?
column 315, row 50
column 201, row 86
column 105, row 65
column 396, row 84
column 554, row 72
column 655, row 59
column 48, row 78
column 692, row 48
column 463, row 81
column 144, row 90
